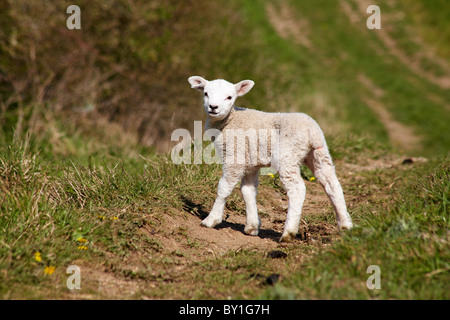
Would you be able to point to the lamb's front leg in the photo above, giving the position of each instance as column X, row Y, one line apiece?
column 226, row 186
column 249, row 185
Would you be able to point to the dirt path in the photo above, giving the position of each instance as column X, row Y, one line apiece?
column 180, row 245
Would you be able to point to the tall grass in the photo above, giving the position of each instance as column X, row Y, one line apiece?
column 81, row 207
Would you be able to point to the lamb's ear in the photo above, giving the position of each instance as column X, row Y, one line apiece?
column 197, row 83
column 243, row 87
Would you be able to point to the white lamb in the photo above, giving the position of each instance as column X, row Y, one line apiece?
column 299, row 139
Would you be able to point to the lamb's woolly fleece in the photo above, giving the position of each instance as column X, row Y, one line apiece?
column 298, row 132
column 300, row 141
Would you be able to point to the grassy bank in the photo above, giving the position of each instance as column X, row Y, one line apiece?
column 120, row 213
column 82, row 183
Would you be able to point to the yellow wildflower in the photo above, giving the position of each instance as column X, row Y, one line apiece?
column 271, row 175
column 82, row 248
column 101, row 217
column 37, row 256
column 82, row 240
column 114, row 218
column 312, row 179
column 49, row 270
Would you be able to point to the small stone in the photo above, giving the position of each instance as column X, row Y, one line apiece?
column 276, row 254
column 272, row 279
column 408, row 161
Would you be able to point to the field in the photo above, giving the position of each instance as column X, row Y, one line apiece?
column 86, row 176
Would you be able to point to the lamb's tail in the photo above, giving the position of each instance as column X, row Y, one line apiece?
column 319, row 158
column 316, row 136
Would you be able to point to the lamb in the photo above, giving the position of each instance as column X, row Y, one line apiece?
column 295, row 138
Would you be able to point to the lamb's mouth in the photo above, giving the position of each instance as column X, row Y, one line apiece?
column 211, row 113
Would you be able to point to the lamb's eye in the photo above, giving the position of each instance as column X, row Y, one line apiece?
column 206, row 94
column 229, row 98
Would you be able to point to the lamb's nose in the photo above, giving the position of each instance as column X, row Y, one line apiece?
column 214, row 107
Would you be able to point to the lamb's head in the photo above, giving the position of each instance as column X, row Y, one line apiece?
column 219, row 95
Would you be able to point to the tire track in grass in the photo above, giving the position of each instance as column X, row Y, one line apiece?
column 413, row 62
column 400, row 135
column 288, row 25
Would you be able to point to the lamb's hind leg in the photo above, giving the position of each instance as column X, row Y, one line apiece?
column 296, row 191
column 249, row 185
column 320, row 163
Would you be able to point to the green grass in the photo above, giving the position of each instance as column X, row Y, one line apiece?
column 406, row 95
column 68, row 175
column 47, row 204
column 408, row 242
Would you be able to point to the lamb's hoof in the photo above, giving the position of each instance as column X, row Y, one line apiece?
column 287, row 237
column 210, row 222
column 344, row 226
column 251, row 230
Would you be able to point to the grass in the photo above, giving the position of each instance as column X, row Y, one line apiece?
column 50, row 207
column 408, row 241
column 80, row 185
